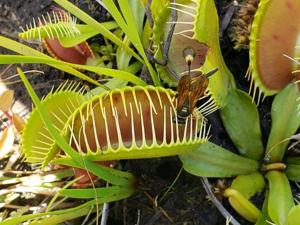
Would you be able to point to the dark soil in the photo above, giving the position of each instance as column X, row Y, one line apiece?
column 186, row 203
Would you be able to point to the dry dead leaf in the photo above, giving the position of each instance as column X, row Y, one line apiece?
column 6, row 100
column 18, row 122
column 6, row 141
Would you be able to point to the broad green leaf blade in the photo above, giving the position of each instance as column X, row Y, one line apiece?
column 285, row 122
column 90, row 193
column 294, row 216
column 280, row 199
column 27, row 51
column 14, row 59
column 210, row 160
column 262, row 220
column 241, row 120
column 61, row 142
column 248, row 185
column 97, row 26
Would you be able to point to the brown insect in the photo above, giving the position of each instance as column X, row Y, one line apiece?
column 190, row 88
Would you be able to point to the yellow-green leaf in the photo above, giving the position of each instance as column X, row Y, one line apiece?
column 280, row 199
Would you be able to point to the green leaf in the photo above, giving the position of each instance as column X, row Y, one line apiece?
column 55, row 216
column 138, row 13
column 294, row 216
column 242, row 205
column 207, row 31
column 293, row 168
column 262, row 220
column 112, row 84
column 86, row 32
column 293, row 160
column 285, row 122
column 280, row 199
column 156, row 6
column 132, row 31
column 241, row 120
column 65, row 32
column 249, row 184
column 27, row 51
column 84, row 17
column 97, row 168
column 14, row 59
column 104, row 192
column 210, row 160
column 122, row 57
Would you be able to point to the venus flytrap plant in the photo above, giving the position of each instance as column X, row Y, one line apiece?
column 253, row 166
column 140, row 105
column 130, row 122
column 98, row 130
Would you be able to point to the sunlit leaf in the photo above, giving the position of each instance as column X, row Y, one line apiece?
column 6, row 141
column 13, row 59
column 53, row 217
column 6, row 100
column 91, row 193
column 294, row 216
column 18, row 122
